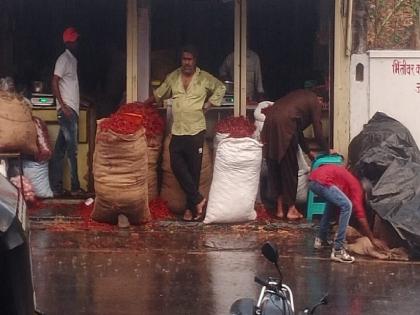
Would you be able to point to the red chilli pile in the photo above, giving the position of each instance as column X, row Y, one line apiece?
column 236, row 127
column 131, row 117
column 151, row 120
column 122, row 123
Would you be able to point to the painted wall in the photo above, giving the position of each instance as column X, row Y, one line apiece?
column 359, row 89
column 389, row 25
column 391, row 85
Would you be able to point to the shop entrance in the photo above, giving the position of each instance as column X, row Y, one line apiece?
column 293, row 39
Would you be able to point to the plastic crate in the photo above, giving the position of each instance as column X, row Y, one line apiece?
column 327, row 159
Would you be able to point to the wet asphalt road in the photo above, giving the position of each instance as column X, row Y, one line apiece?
column 190, row 269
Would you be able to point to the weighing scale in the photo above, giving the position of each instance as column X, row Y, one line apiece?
column 42, row 100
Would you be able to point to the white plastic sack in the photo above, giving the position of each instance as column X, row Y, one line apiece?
column 37, row 173
column 3, row 167
column 235, row 181
column 260, row 118
column 303, row 177
column 217, row 138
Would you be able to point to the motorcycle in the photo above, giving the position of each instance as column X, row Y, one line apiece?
column 276, row 298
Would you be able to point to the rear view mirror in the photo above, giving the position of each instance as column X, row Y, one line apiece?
column 270, row 252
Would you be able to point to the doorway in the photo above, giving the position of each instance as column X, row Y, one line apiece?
column 294, row 41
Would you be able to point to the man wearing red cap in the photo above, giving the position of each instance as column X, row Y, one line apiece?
column 65, row 87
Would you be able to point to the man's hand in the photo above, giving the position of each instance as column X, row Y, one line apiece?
column 312, row 155
column 333, row 151
column 66, row 110
column 206, row 106
column 150, row 100
column 379, row 244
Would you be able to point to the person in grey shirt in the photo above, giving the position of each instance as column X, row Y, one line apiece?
column 254, row 85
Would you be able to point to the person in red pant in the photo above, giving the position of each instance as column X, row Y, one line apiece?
column 342, row 189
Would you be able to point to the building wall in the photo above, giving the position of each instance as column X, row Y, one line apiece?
column 376, row 25
column 341, row 125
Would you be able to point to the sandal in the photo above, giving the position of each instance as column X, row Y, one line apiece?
column 200, row 214
column 199, row 217
column 187, row 217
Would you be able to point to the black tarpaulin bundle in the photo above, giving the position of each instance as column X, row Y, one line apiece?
column 385, row 154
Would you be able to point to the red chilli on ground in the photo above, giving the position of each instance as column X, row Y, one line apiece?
column 262, row 213
column 236, row 127
column 159, row 209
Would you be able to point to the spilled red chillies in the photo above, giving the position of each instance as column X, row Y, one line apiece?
column 159, row 209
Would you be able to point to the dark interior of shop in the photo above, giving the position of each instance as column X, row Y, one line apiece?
column 33, row 33
column 292, row 39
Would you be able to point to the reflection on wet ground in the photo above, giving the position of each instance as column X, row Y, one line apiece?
column 178, row 269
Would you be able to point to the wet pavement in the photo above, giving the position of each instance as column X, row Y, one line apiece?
column 180, row 268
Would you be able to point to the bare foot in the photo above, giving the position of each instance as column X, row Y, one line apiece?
column 280, row 209
column 293, row 213
column 187, row 215
column 200, row 210
column 279, row 214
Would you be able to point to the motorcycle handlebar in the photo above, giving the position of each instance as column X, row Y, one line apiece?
column 260, row 281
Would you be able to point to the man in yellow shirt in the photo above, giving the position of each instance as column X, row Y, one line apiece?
column 193, row 91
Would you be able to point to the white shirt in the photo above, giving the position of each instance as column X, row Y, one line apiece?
column 253, row 72
column 66, row 69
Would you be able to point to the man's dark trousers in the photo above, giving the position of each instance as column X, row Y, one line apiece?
column 186, row 153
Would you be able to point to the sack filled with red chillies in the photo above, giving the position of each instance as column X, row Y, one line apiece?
column 122, row 124
column 154, row 126
column 236, row 127
column 120, row 170
column 151, row 120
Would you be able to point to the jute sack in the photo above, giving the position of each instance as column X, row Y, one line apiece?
column 154, row 149
column 120, row 173
column 17, row 130
column 171, row 191
column 361, row 245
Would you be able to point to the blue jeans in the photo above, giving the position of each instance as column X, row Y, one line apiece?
column 334, row 196
column 66, row 143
